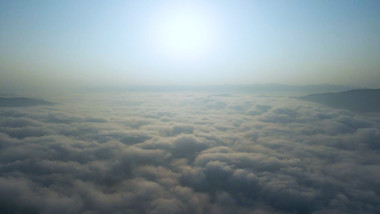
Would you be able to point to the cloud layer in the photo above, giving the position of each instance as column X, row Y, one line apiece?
column 188, row 153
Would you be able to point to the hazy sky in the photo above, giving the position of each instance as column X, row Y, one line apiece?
column 90, row 43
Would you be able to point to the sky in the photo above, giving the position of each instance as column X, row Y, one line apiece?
column 190, row 107
column 69, row 44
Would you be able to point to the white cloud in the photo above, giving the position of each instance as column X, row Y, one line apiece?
column 189, row 153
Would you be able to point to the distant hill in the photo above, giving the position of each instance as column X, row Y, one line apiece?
column 254, row 88
column 359, row 100
column 22, row 102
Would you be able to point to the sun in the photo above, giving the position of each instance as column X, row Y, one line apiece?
column 184, row 33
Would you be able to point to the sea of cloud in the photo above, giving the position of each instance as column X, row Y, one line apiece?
column 188, row 153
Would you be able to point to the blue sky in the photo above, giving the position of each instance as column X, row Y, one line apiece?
column 90, row 43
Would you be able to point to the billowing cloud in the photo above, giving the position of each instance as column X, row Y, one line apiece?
column 188, row 153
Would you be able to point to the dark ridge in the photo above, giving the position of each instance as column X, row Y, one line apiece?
column 358, row 100
column 226, row 88
column 22, row 102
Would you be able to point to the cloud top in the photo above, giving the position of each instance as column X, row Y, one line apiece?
column 188, row 153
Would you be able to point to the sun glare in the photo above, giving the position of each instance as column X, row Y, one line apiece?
column 183, row 33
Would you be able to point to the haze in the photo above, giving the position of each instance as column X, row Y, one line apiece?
column 189, row 107
column 91, row 43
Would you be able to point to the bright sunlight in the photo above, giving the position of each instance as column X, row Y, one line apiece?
column 183, row 33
